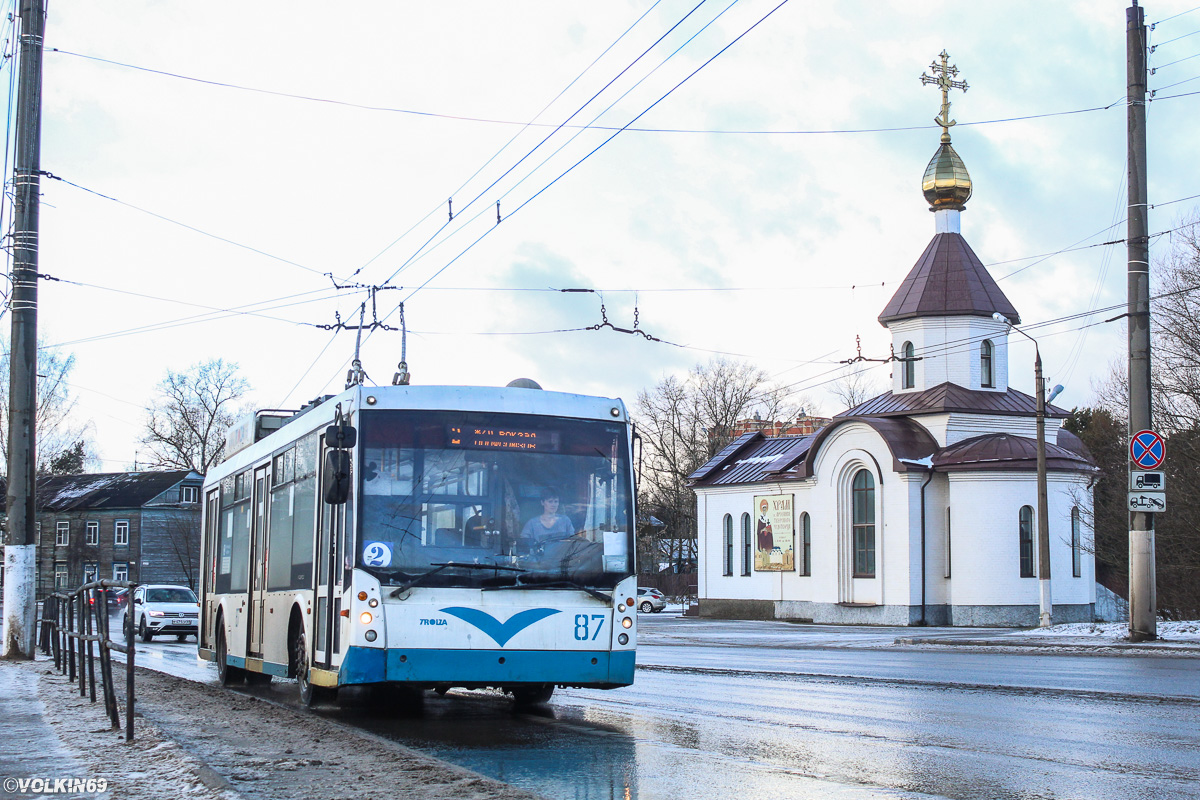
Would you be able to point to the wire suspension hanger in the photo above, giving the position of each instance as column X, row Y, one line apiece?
column 890, row 358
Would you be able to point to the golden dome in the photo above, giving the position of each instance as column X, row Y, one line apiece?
column 947, row 183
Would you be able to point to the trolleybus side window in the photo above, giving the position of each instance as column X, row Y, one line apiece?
column 233, row 565
column 304, row 513
column 293, row 516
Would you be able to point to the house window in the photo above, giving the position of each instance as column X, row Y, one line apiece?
column 121, row 533
column 747, row 545
column 728, row 526
column 947, row 575
column 1076, row 544
column 90, row 571
column 62, row 535
column 120, row 570
column 1025, row 524
column 805, row 544
column 909, row 366
column 60, row 575
column 93, row 533
column 986, row 374
column 189, row 494
column 863, row 516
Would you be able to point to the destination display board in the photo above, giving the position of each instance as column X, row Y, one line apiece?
column 478, row 437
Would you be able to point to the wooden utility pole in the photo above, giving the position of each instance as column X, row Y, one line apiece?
column 20, row 546
column 1142, row 600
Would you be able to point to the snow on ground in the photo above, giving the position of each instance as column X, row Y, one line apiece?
column 1186, row 632
column 151, row 767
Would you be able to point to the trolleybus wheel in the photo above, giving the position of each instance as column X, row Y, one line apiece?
column 228, row 674
column 532, row 695
column 309, row 695
column 146, row 634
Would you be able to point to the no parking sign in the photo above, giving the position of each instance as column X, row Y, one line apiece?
column 1147, row 449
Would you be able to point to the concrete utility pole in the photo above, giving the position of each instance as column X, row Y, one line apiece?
column 20, row 546
column 1142, row 590
column 1045, row 603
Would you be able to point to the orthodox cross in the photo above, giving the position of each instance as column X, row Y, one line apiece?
column 943, row 77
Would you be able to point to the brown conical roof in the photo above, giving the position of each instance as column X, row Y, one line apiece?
column 948, row 280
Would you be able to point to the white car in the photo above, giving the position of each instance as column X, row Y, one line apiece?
column 161, row 610
column 650, row 600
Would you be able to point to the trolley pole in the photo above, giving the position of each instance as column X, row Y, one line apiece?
column 1142, row 590
column 20, row 546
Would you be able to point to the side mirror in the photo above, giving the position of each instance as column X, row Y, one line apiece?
column 341, row 436
column 335, row 478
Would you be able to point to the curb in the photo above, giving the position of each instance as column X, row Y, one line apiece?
column 1185, row 650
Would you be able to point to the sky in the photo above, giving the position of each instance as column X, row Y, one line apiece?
column 225, row 167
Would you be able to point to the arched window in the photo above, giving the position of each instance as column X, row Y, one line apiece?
column 1076, row 544
column 747, row 545
column 728, row 565
column 948, row 542
column 908, row 366
column 863, row 521
column 986, row 373
column 805, row 544
column 1025, row 526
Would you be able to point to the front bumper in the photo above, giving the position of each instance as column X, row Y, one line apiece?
column 478, row 668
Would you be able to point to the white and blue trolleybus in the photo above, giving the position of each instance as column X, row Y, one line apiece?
column 424, row 537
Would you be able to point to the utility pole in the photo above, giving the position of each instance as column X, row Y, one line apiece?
column 20, row 546
column 1045, row 603
column 1142, row 600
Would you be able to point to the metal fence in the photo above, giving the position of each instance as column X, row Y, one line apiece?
column 73, row 625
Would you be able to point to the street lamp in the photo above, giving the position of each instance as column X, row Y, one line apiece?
column 1045, row 606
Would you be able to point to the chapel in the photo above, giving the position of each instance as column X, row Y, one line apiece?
column 918, row 506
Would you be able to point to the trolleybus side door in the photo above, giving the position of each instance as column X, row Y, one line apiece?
column 208, row 569
column 258, row 562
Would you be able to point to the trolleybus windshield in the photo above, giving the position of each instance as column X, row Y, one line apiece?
column 516, row 500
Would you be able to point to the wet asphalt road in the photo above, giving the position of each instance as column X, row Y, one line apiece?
column 763, row 710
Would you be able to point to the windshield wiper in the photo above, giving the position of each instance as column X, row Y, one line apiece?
column 438, row 567
column 554, row 585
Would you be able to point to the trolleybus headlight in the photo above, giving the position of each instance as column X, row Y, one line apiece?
column 365, row 618
column 626, row 622
column 621, row 607
column 623, row 638
column 371, row 636
column 373, row 603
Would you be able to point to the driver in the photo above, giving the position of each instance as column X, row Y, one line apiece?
column 549, row 524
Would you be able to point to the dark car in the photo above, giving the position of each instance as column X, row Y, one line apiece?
column 117, row 598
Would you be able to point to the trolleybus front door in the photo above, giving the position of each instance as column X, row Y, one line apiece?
column 330, row 537
column 258, row 564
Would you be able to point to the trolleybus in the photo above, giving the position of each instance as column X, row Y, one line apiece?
column 427, row 537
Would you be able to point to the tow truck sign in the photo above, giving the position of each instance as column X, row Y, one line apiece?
column 1148, row 502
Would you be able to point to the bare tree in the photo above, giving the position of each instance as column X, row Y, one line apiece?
column 182, row 533
column 63, row 442
column 683, row 423
column 193, row 409
column 1175, row 398
column 855, row 386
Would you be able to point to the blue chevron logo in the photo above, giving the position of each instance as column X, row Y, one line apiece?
column 500, row 632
